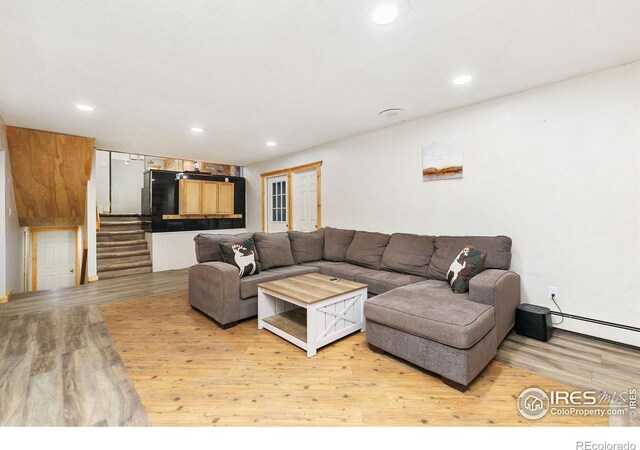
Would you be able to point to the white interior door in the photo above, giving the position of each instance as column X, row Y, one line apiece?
column 305, row 200
column 56, row 259
column 276, row 207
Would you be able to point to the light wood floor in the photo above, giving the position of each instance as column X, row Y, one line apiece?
column 188, row 371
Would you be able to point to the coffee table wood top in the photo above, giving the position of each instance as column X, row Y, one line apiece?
column 312, row 287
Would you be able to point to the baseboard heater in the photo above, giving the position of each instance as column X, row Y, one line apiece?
column 599, row 322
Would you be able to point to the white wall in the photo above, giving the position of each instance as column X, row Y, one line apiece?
column 556, row 168
column 176, row 250
column 90, row 223
column 127, row 181
column 102, row 178
column 3, row 241
column 11, row 254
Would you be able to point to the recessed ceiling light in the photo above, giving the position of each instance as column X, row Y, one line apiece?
column 84, row 107
column 391, row 113
column 384, row 13
column 462, row 79
column 197, row 130
column 271, row 144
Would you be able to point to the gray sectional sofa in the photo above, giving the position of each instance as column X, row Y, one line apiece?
column 412, row 312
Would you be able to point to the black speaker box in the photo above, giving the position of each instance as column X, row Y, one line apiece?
column 534, row 321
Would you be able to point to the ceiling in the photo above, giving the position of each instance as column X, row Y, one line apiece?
column 298, row 72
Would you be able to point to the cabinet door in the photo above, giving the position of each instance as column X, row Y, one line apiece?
column 190, row 197
column 225, row 199
column 209, row 197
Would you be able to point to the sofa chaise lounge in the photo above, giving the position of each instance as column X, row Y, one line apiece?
column 412, row 312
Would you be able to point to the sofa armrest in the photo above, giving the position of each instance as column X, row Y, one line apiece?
column 214, row 289
column 500, row 289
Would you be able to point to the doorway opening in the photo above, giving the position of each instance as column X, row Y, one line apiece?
column 291, row 199
column 54, row 258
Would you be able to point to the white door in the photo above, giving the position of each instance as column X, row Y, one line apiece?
column 305, row 200
column 56, row 259
column 276, row 207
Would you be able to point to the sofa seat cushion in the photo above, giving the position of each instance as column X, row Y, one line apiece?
column 294, row 271
column 367, row 248
column 497, row 248
column 408, row 253
column 344, row 270
column 381, row 281
column 430, row 310
column 320, row 264
column 306, row 246
column 336, row 243
column 249, row 285
column 274, row 250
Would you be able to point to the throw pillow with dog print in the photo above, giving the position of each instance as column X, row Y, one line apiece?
column 469, row 263
column 243, row 256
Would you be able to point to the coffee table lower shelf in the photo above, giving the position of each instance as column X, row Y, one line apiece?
column 293, row 322
column 311, row 325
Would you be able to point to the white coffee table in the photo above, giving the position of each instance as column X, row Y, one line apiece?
column 311, row 310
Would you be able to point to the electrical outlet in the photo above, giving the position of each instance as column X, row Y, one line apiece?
column 552, row 292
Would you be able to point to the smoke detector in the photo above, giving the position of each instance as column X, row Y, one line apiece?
column 392, row 113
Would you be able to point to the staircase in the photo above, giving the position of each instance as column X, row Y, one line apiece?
column 122, row 249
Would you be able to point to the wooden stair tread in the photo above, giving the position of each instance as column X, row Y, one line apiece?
column 120, row 254
column 119, row 232
column 121, row 247
column 106, row 267
column 124, row 272
column 122, row 222
column 121, row 243
column 118, row 215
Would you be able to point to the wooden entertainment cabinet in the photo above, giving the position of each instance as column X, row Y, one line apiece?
column 198, row 197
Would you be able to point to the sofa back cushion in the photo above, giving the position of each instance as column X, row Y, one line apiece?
column 208, row 244
column 408, row 253
column 274, row 250
column 367, row 248
column 497, row 248
column 336, row 243
column 306, row 247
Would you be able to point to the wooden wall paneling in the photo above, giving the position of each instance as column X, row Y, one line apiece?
column 50, row 173
column 74, row 170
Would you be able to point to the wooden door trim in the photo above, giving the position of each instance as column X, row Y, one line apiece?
column 34, row 253
column 291, row 169
column 289, row 173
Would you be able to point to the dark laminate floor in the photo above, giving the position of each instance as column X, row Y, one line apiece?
column 102, row 291
column 60, row 368
column 580, row 361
